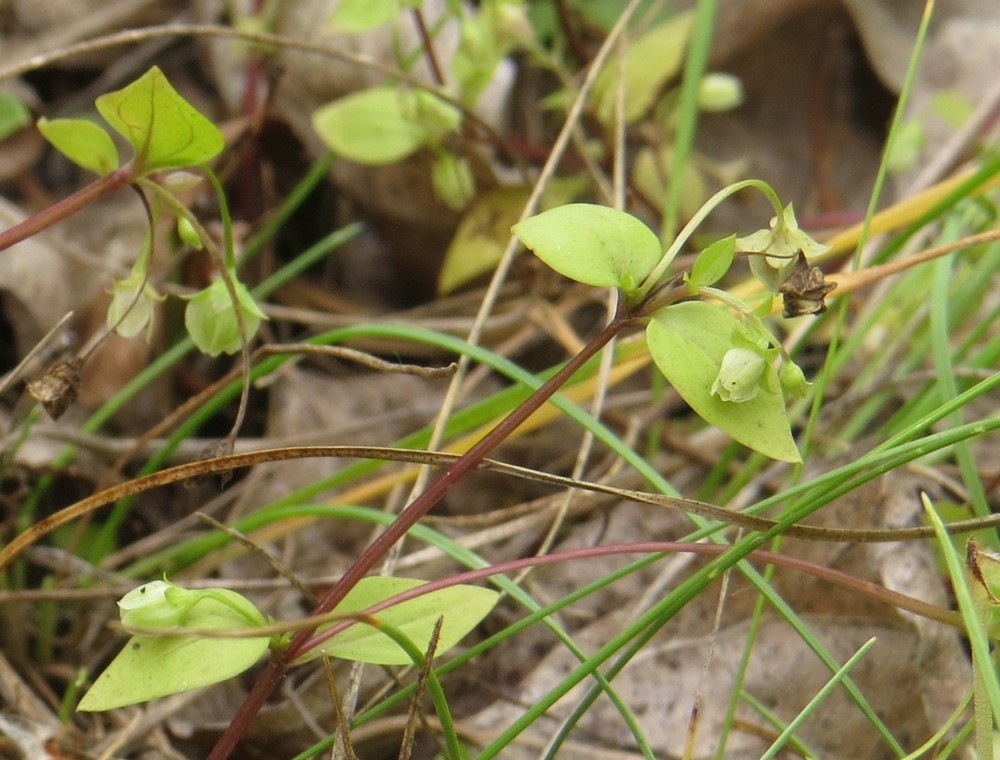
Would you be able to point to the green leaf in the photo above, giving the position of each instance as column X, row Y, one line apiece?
column 83, row 142
column 382, row 125
column 152, row 666
column 362, row 15
column 652, row 60
column 14, row 114
column 688, row 342
column 713, row 263
column 479, row 53
column 165, row 130
column 595, row 245
column 463, row 607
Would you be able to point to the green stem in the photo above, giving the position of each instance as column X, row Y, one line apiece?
column 700, row 215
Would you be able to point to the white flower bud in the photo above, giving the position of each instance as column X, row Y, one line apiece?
column 740, row 375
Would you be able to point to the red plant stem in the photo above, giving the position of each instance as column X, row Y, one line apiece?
column 86, row 195
column 275, row 671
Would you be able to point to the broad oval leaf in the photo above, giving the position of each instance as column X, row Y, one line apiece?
column 688, row 342
column 83, row 142
column 382, row 125
column 151, row 666
column 462, row 608
column 165, row 130
column 595, row 245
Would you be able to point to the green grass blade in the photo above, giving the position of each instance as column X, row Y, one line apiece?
column 815, row 702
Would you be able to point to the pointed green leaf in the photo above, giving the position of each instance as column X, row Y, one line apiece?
column 463, row 607
column 688, row 342
column 151, row 666
column 595, row 245
column 713, row 263
column 164, row 129
column 382, row 125
column 83, row 142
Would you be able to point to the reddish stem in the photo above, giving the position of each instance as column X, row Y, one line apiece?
column 840, row 578
column 271, row 677
column 105, row 185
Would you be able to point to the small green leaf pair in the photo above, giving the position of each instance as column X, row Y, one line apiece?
column 164, row 130
column 156, row 666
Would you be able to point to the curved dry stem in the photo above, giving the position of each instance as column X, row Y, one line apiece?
column 441, row 459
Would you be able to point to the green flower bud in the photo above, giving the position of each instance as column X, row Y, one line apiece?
column 161, row 604
column 188, row 234
column 793, row 379
column 158, row 604
column 740, row 375
column 453, row 181
column 131, row 309
column 719, row 92
column 434, row 116
column 181, row 181
column 211, row 320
